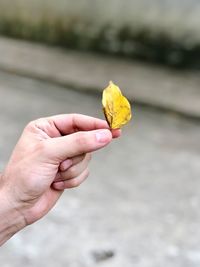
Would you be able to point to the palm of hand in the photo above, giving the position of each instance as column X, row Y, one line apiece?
column 35, row 170
column 34, row 167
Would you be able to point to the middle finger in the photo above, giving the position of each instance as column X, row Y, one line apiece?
column 74, row 170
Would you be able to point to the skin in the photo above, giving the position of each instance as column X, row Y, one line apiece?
column 51, row 155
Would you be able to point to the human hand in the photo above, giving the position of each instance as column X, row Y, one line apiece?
column 52, row 155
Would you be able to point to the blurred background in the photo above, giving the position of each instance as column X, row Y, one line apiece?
column 163, row 31
column 140, row 205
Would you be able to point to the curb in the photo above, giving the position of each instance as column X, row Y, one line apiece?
column 143, row 84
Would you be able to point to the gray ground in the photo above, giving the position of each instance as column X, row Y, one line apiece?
column 142, row 83
column 140, row 206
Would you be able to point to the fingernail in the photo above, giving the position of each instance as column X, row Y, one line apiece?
column 102, row 136
column 59, row 185
column 66, row 164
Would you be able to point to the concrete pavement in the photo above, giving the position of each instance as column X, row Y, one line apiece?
column 140, row 205
column 144, row 84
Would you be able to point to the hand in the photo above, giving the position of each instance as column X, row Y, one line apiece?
column 72, row 172
column 52, row 155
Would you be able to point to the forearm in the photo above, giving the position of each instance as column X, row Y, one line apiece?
column 11, row 221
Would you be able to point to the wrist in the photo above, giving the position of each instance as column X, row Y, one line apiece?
column 11, row 219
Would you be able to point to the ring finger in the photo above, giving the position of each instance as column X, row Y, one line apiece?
column 74, row 170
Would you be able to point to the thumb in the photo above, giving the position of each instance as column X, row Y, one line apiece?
column 78, row 143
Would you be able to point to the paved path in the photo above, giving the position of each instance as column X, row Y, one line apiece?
column 140, row 206
column 145, row 84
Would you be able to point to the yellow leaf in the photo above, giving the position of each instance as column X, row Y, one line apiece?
column 116, row 107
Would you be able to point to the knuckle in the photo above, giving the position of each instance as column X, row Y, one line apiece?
column 82, row 140
column 71, row 172
column 87, row 173
column 30, row 125
column 77, row 181
column 34, row 125
column 74, row 183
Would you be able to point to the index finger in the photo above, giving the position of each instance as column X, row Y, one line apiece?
column 70, row 123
